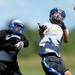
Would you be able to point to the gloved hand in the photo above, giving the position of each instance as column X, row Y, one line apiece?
column 20, row 45
column 42, row 28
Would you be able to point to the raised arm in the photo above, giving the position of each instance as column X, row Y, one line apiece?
column 65, row 32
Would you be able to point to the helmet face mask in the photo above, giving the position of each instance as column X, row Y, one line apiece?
column 16, row 26
column 57, row 15
column 18, row 29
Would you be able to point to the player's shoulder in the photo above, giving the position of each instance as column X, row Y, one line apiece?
column 56, row 26
column 3, row 31
column 47, row 24
column 50, row 25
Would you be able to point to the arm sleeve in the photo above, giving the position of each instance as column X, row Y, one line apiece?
column 63, row 26
column 25, row 40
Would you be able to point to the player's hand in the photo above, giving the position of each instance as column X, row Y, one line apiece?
column 42, row 28
column 20, row 45
column 62, row 25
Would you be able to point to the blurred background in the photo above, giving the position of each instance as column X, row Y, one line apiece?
column 31, row 12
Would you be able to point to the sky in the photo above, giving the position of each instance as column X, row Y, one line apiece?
column 34, row 11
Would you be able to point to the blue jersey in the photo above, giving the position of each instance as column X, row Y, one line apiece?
column 51, row 40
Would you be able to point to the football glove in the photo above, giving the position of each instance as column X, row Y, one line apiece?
column 42, row 28
column 20, row 45
column 62, row 25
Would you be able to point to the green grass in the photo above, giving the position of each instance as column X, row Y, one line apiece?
column 70, row 61
column 32, row 66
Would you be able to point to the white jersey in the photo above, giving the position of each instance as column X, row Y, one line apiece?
column 51, row 40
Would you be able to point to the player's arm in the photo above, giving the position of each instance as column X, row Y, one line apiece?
column 25, row 40
column 5, row 45
column 65, row 32
column 2, row 34
column 66, row 35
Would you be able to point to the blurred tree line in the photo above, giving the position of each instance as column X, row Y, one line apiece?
column 33, row 37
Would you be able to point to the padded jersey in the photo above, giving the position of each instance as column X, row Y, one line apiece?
column 52, row 39
column 8, row 41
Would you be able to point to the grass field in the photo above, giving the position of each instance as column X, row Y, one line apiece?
column 32, row 66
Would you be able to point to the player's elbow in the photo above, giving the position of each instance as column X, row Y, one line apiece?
column 66, row 39
column 26, row 44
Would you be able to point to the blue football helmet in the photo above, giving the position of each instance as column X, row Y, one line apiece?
column 56, row 10
column 14, row 24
